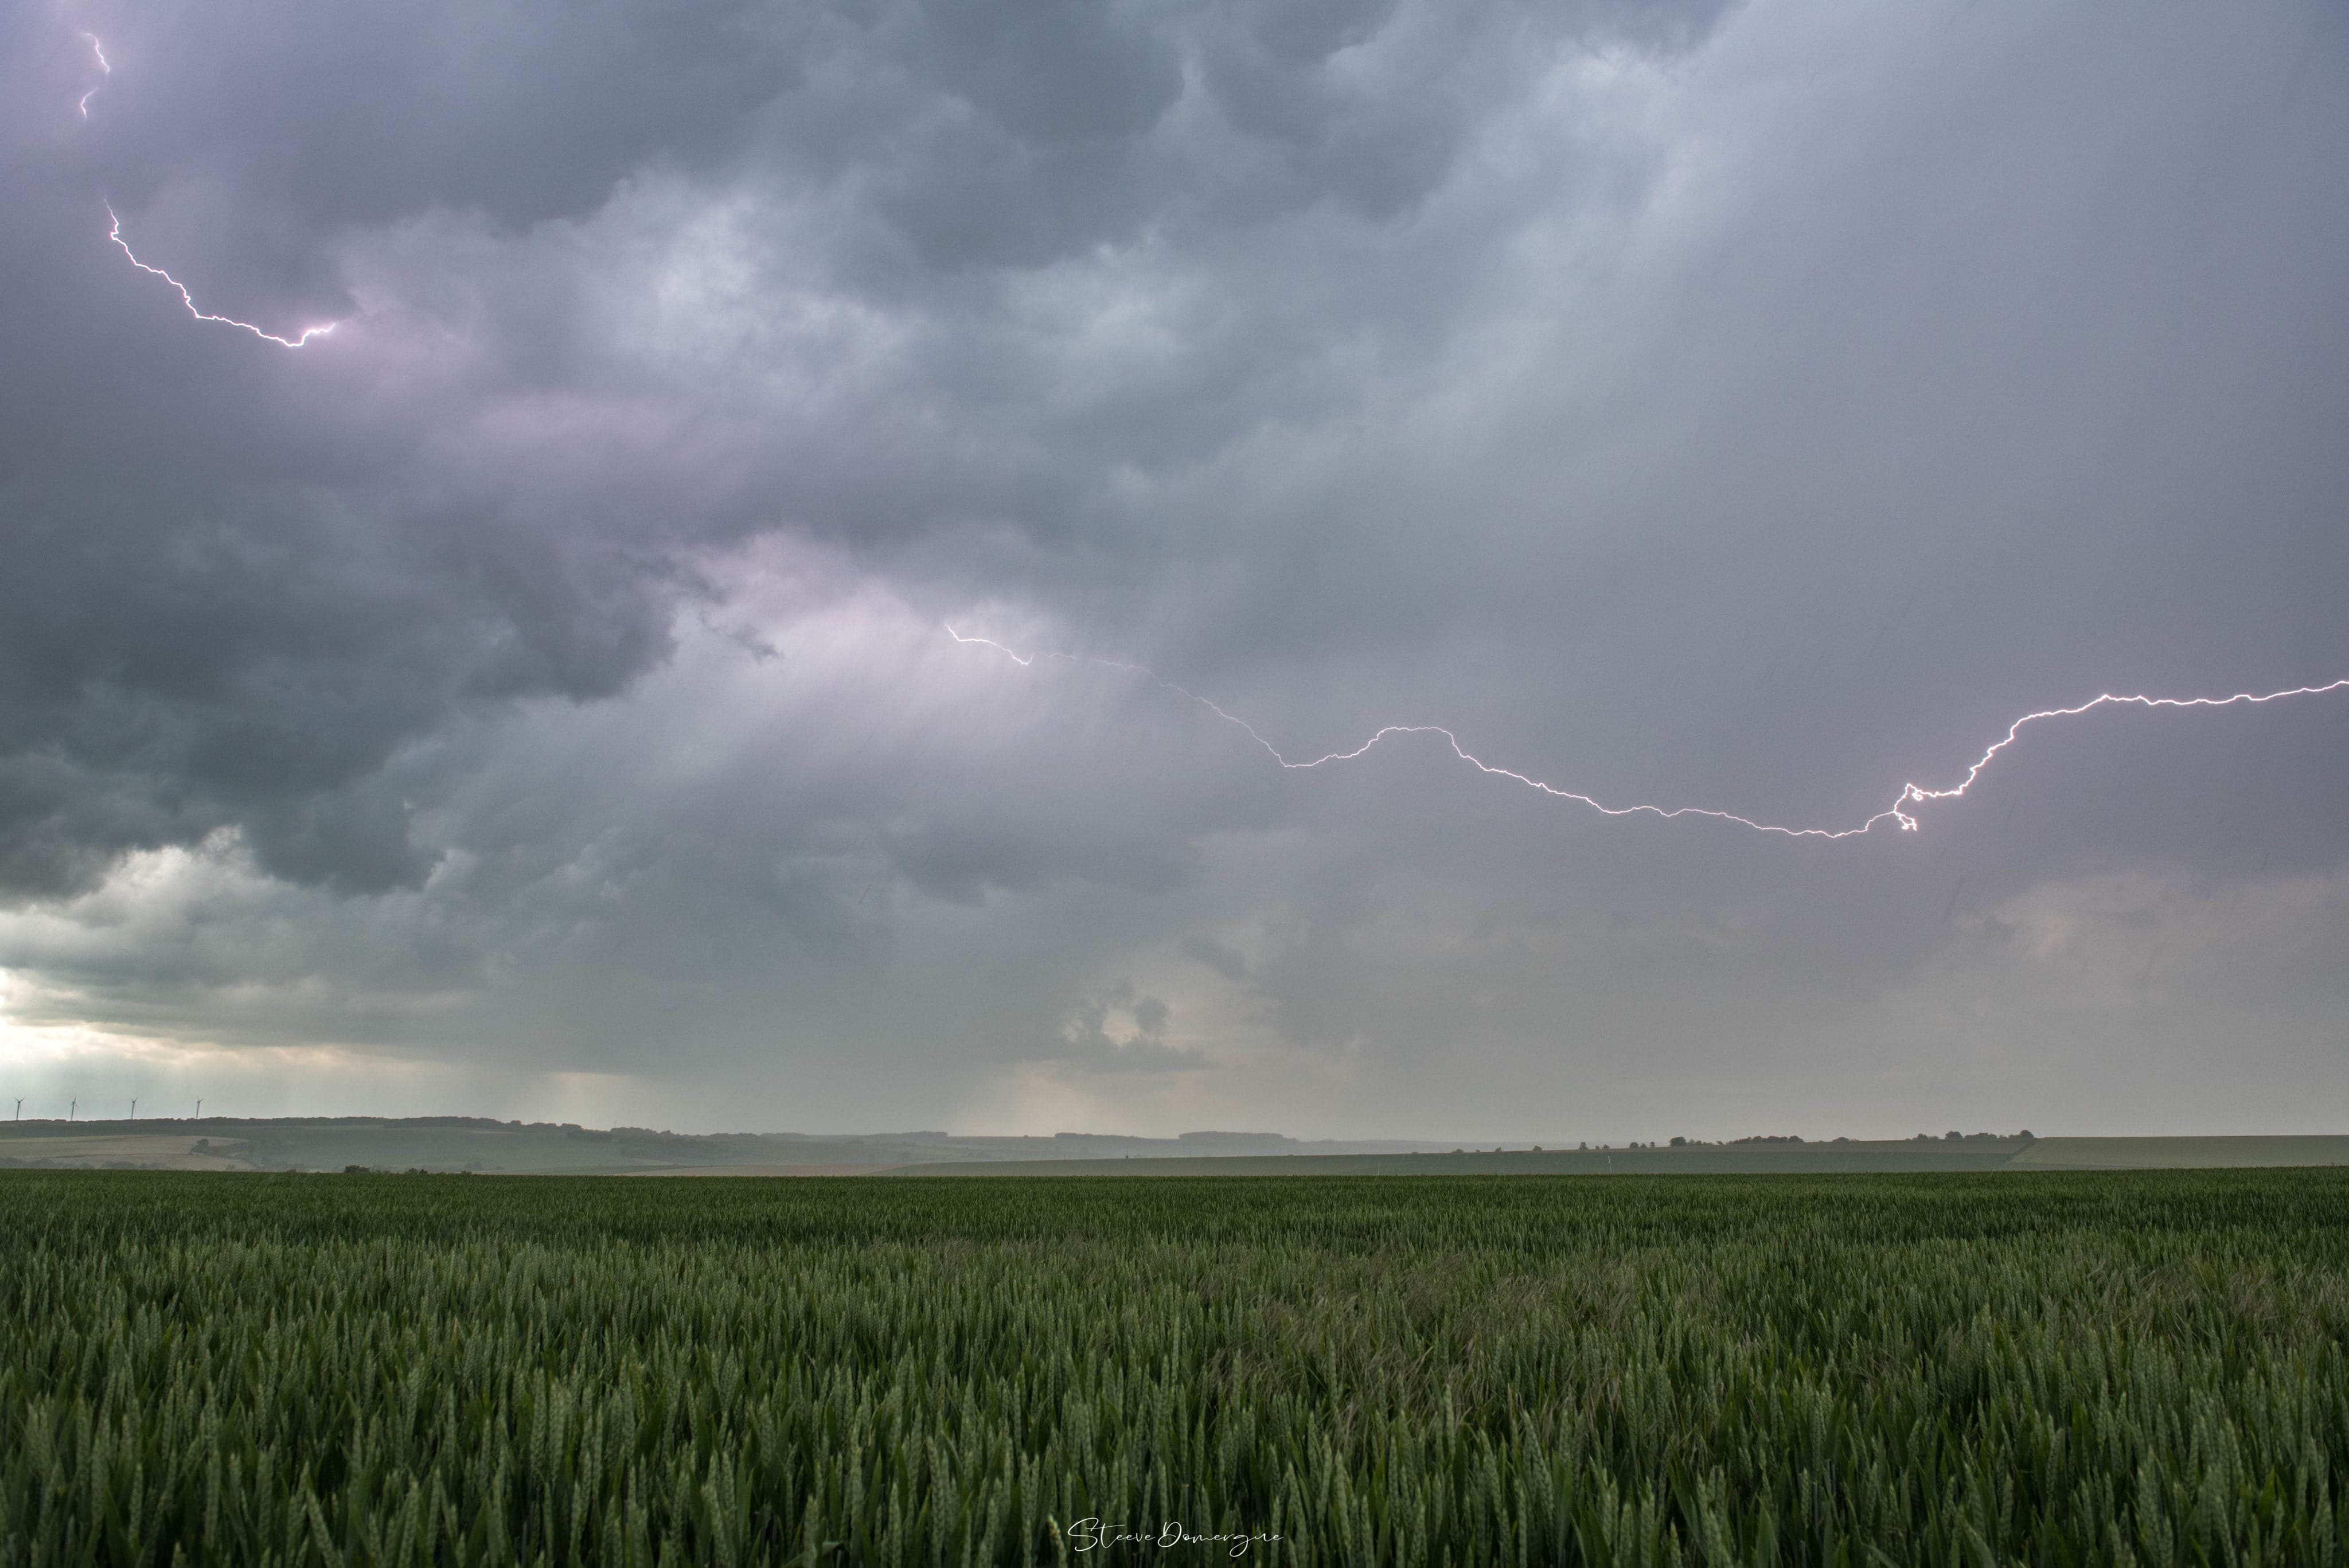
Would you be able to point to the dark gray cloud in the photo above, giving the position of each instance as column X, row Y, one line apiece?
column 251, row 580
column 539, row 676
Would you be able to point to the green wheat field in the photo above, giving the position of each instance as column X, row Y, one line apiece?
column 1949, row 1369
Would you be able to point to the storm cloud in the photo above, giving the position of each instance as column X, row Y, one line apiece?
column 535, row 694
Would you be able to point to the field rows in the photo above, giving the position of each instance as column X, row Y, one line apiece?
column 1957, row 1369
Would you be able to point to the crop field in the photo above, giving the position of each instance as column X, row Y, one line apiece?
column 1947, row 1369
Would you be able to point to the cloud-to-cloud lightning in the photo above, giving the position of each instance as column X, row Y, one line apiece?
column 1897, row 813
column 113, row 233
column 104, row 68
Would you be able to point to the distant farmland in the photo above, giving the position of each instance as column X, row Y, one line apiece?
column 1912, row 1155
column 542, row 1149
column 1832, row 1369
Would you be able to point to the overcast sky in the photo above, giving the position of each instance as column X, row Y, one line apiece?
column 533, row 698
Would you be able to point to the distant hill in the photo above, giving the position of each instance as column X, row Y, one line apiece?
column 494, row 1147
column 491, row 1148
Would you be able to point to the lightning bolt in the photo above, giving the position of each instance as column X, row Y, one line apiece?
column 1895, row 814
column 113, row 233
column 104, row 67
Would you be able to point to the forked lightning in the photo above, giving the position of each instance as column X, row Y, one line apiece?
column 1897, row 813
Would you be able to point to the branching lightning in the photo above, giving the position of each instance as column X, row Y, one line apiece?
column 113, row 233
column 1897, row 813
